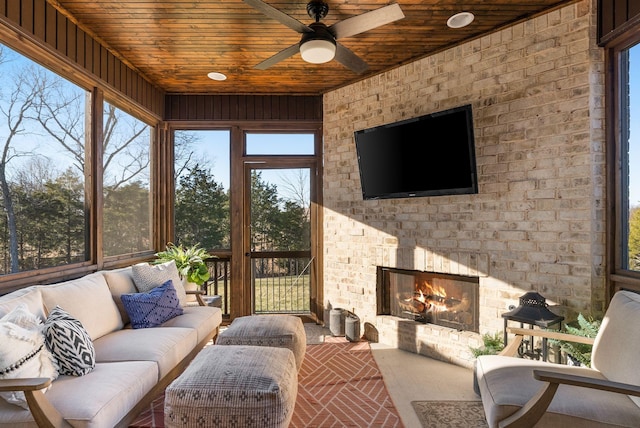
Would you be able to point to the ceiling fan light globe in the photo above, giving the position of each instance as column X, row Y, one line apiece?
column 317, row 51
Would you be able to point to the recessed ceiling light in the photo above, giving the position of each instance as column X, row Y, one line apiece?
column 216, row 76
column 460, row 20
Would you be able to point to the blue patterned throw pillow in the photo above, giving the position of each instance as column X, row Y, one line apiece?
column 69, row 343
column 152, row 308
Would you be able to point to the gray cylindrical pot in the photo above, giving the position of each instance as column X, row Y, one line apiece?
column 352, row 328
column 336, row 321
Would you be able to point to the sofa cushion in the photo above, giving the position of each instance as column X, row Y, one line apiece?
column 120, row 281
column 88, row 300
column 23, row 352
column 204, row 319
column 152, row 308
column 166, row 346
column 146, row 277
column 69, row 343
column 29, row 295
column 99, row 399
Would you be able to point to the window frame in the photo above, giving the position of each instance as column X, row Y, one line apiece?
column 619, row 276
column 100, row 92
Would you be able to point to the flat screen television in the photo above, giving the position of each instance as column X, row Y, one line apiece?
column 429, row 155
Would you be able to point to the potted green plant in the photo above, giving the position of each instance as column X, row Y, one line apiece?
column 579, row 353
column 190, row 261
column 492, row 345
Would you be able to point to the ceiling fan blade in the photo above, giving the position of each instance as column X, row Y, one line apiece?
column 280, row 56
column 279, row 16
column 366, row 21
column 350, row 60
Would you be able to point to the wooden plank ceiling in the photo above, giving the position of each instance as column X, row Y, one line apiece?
column 176, row 43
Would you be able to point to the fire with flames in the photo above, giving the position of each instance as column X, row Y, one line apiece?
column 433, row 298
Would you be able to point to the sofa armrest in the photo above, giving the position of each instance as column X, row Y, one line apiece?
column 42, row 411
column 536, row 407
column 198, row 294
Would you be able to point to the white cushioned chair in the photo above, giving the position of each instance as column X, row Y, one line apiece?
column 519, row 392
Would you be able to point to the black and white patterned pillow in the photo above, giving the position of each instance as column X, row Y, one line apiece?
column 69, row 343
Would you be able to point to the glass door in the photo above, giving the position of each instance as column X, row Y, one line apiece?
column 281, row 260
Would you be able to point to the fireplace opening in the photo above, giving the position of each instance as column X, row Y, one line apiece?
column 428, row 297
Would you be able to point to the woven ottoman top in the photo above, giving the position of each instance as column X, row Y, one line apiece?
column 285, row 331
column 241, row 385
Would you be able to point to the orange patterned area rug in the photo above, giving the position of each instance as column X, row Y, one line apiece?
column 340, row 385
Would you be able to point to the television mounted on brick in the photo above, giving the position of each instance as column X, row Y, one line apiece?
column 431, row 155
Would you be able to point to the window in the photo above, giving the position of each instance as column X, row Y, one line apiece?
column 202, row 180
column 126, row 183
column 42, row 167
column 279, row 144
column 630, row 150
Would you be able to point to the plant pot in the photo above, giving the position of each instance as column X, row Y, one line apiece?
column 190, row 286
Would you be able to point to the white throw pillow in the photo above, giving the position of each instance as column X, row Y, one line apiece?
column 146, row 277
column 23, row 353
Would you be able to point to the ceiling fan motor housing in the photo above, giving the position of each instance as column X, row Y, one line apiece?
column 317, row 10
column 320, row 32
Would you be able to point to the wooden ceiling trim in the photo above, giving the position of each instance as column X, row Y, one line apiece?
column 243, row 108
column 616, row 17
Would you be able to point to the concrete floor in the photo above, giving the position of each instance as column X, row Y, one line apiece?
column 412, row 377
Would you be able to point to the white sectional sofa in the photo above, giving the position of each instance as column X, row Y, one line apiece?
column 132, row 365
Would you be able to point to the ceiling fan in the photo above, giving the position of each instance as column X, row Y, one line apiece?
column 319, row 42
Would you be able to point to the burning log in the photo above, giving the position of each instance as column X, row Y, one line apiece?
column 420, row 303
column 412, row 305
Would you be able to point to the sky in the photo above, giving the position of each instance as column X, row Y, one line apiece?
column 634, row 139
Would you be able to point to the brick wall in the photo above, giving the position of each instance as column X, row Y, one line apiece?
column 537, row 223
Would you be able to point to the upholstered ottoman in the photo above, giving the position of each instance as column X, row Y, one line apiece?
column 285, row 331
column 234, row 386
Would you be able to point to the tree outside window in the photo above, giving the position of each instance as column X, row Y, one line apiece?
column 126, row 184
column 630, row 152
column 42, row 120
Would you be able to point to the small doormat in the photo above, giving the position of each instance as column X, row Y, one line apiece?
column 450, row 414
